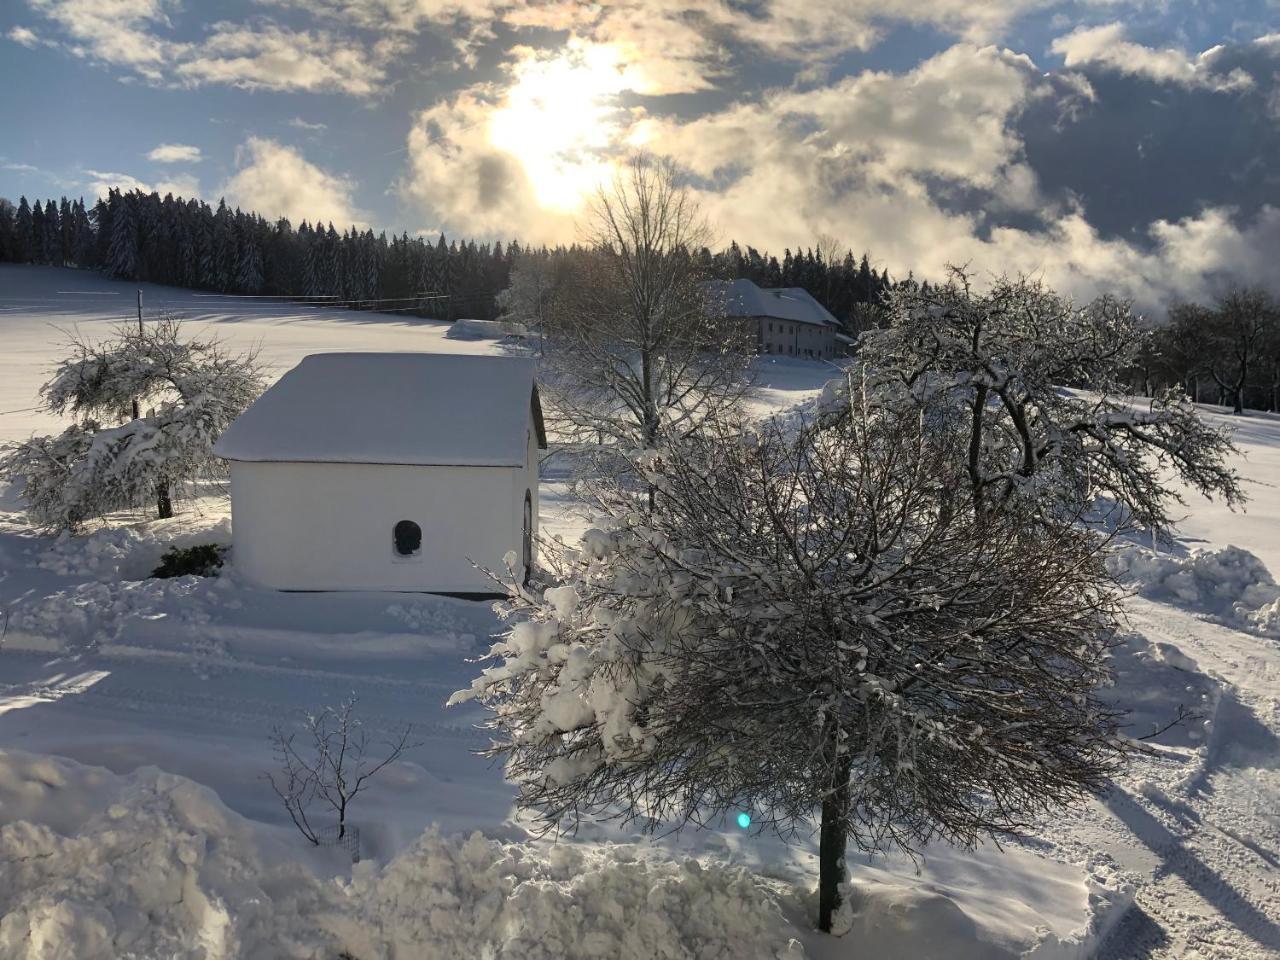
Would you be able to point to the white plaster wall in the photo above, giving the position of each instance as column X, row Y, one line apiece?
column 328, row 526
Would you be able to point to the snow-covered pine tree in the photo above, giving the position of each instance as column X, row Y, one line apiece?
column 310, row 260
column 66, row 233
column 809, row 627
column 205, row 250
column 7, row 239
column 194, row 387
column 249, row 278
column 333, row 278
column 373, row 264
column 38, row 238
column 223, row 249
column 101, row 232
column 122, row 255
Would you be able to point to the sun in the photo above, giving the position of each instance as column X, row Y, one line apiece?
column 560, row 119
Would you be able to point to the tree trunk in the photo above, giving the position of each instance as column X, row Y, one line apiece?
column 975, row 447
column 833, row 837
column 164, row 506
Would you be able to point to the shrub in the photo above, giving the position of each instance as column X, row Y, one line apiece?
column 201, row 560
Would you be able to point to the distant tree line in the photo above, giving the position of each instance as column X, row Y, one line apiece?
column 132, row 235
column 1226, row 353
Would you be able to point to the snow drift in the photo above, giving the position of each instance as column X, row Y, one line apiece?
column 1227, row 583
column 95, row 866
column 151, row 865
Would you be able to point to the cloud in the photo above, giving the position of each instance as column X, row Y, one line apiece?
column 299, row 124
column 114, row 31
column 924, row 167
column 1106, row 46
column 458, row 177
column 929, row 167
column 256, row 55
column 269, row 57
column 24, row 36
column 276, row 180
column 686, row 46
column 183, row 185
column 98, row 182
column 175, row 153
column 517, row 157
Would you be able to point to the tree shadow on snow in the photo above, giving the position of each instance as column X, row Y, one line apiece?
column 1136, row 937
column 1175, row 858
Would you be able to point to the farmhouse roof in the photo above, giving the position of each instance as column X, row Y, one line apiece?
column 395, row 408
column 742, row 298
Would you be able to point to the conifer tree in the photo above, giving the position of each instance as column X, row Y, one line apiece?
column 6, row 230
column 122, row 257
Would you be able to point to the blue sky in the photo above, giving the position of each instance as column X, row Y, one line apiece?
column 1125, row 145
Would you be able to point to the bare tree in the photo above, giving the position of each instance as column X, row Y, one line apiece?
column 811, row 626
column 1185, row 346
column 1035, row 385
column 1239, row 328
column 633, row 351
column 334, row 766
column 536, row 284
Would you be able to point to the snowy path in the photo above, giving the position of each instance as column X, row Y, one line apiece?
column 1202, row 832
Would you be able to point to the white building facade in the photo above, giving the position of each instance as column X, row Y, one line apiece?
column 786, row 320
column 364, row 471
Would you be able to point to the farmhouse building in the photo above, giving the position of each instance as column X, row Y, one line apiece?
column 785, row 320
column 387, row 471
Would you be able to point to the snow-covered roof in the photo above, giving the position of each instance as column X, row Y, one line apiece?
column 404, row 408
column 742, row 298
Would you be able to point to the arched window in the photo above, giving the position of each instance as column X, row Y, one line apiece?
column 527, row 542
column 407, row 538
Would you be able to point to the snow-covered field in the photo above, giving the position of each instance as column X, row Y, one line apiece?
column 135, row 716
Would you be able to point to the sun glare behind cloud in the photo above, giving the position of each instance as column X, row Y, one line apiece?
column 561, row 118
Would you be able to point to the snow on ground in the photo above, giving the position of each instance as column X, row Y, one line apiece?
column 135, row 716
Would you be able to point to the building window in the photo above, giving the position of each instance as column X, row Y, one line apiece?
column 406, row 537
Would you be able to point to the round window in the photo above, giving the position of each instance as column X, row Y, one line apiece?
column 407, row 537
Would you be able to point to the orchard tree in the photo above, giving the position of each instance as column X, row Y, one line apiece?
column 1185, row 347
column 1034, row 385
column 810, row 625
column 631, row 350
column 110, row 459
column 536, row 284
column 1240, row 328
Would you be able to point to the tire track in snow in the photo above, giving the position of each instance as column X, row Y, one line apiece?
column 1214, row 892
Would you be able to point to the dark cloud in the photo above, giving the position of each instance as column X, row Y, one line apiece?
column 1145, row 150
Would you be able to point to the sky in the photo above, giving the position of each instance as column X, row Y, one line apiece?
column 1108, row 146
